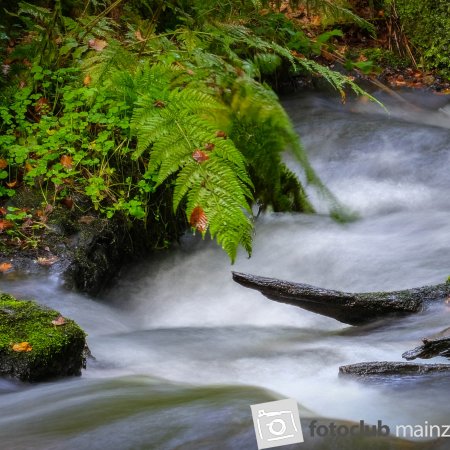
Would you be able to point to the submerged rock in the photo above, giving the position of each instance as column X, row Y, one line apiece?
column 36, row 342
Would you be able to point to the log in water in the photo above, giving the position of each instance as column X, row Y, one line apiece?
column 353, row 309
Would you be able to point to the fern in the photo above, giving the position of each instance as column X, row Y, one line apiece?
column 178, row 129
column 201, row 124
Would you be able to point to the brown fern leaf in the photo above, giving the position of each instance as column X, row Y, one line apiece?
column 200, row 156
column 198, row 219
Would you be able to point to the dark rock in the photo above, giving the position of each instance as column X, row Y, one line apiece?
column 384, row 368
column 430, row 349
column 33, row 348
column 97, row 252
column 350, row 308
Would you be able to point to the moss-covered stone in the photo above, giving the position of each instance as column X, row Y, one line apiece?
column 53, row 350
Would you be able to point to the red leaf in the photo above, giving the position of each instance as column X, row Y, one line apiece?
column 221, row 134
column 3, row 163
column 5, row 266
column 66, row 161
column 198, row 219
column 67, row 202
column 209, row 146
column 5, row 224
column 200, row 156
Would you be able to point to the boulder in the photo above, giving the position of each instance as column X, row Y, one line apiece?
column 37, row 343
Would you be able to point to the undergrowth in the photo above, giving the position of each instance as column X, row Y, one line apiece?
column 116, row 103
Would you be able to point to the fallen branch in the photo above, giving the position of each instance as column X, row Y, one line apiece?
column 353, row 309
column 384, row 368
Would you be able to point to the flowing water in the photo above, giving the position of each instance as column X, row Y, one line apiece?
column 182, row 351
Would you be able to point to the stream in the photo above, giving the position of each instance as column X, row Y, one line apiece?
column 181, row 351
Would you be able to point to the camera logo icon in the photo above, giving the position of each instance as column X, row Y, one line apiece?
column 277, row 423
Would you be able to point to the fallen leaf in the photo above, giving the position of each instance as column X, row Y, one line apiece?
column 27, row 224
column 198, row 219
column 209, row 146
column 5, row 266
column 41, row 106
column 5, row 224
column 159, row 104
column 12, row 184
column 221, row 134
column 200, row 156
column 22, row 347
column 66, row 161
column 67, row 202
column 87, row 80
column 86, row 219
column 3, row 163
column 97, row 44
column 59, row 321
column 138, row 36
column 49, row 261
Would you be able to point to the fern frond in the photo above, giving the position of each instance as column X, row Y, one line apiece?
column 114, row 57
column 38, row 13
column 179, row 134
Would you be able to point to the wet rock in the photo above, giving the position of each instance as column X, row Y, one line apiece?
column 430, row 349
column 37, row 343
column 384, row 368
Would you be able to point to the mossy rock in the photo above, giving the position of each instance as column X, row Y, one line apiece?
column 32, row 348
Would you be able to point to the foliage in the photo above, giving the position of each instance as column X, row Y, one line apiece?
column 427, row 24
column 386, row 58
column 179, row 104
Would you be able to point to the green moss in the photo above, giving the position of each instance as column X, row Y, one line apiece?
column 56, row 350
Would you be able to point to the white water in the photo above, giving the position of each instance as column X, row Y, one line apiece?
column 180, row 317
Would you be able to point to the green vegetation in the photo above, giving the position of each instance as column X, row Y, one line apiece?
column 132, row 102
column 427, row 25
column 31, row 346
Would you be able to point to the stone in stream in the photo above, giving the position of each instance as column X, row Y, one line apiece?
column 384, row 368
column 430, row 349
column 350, row 308
column 37, row 343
